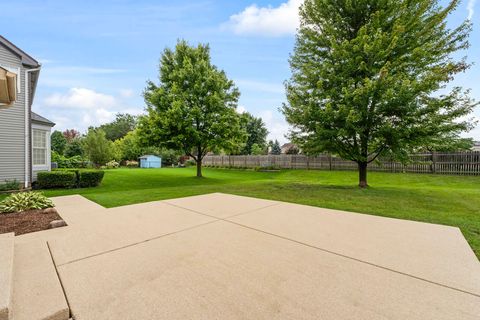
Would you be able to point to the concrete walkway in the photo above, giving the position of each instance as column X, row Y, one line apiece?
column 220, row 256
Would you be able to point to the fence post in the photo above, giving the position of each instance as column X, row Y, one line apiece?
column 330, row 161
column 434, row 162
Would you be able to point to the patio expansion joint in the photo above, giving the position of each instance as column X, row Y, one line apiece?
column 323, row 249
column 136, row 243
column 60, row 280
column 357, row 260
column 216, row 219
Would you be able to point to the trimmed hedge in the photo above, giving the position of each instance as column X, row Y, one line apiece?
column 56, row 179
column 69, row 178
column 90, row 178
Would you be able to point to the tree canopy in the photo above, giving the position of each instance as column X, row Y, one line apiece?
column 192, row 108
column 74, row 148
column 97, row 147
column 71, row 134
column 256, row 133
column 369, row 78
column 118, row 128
column 275, row 147
column 58, row 142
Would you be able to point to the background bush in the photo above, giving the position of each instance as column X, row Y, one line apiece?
column 131, row 164
column 90, row 178
column 9, row 185
column 72, row 162
column 25, row 201
column 112, row 164
column 56, row 179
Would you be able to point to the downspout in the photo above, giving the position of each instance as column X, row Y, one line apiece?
column 27, row 126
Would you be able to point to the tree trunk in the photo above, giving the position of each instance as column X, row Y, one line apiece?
column 199, row 168
column 362, row 174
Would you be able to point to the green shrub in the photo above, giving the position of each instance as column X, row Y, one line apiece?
column 25, row 201
column 112, row 164
column 190, row 163
column 10, row 185
column 90, row 178
column 56, row 179
column 132, row 164
column 72, row 162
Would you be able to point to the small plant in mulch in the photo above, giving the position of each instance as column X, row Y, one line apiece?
column 25, row 201
column 27, row 212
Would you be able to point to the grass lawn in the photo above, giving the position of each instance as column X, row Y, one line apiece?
column 449, row 200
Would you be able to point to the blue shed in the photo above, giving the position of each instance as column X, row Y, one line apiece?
column 150, row 161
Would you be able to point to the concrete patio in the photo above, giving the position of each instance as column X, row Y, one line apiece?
column 219, row 256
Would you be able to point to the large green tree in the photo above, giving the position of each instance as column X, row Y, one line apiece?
column 369, row 78
column 275, row 147
column 256, row 132
column 97, row 147
column 128, row 147
column 74, row 147
column 193, row 107
column 58, row 142
column 118, row 128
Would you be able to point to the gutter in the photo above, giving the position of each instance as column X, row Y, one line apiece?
column 28, row 126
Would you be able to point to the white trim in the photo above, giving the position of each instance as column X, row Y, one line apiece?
column 48, row 155
column 27, row 127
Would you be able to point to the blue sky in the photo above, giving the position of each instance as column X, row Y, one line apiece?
column 97, row 55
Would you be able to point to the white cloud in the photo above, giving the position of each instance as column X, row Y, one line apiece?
column 80, row 98
column 98, row 116
column 471, row 8
column 267, row 21
column 241, row 109
column 276, row 124
column 81, row 108
column 126, row 93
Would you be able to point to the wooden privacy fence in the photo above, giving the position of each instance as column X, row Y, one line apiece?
column 461, row 163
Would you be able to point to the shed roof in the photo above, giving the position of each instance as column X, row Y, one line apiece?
column 149, row 155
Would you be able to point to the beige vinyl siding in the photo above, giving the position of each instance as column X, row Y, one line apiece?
column 12, row 126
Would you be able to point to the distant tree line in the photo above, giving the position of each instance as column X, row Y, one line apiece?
column 120, row 141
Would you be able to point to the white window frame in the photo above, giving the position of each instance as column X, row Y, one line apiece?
column 47, row 164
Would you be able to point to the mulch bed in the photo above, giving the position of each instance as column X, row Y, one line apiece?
column 27, row 221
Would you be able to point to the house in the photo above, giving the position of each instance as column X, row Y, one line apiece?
column 24, row 135
column 150, row 161
column 289, row 148
column 476, row 146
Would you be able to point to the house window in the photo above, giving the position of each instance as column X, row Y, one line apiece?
column 39, row 143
